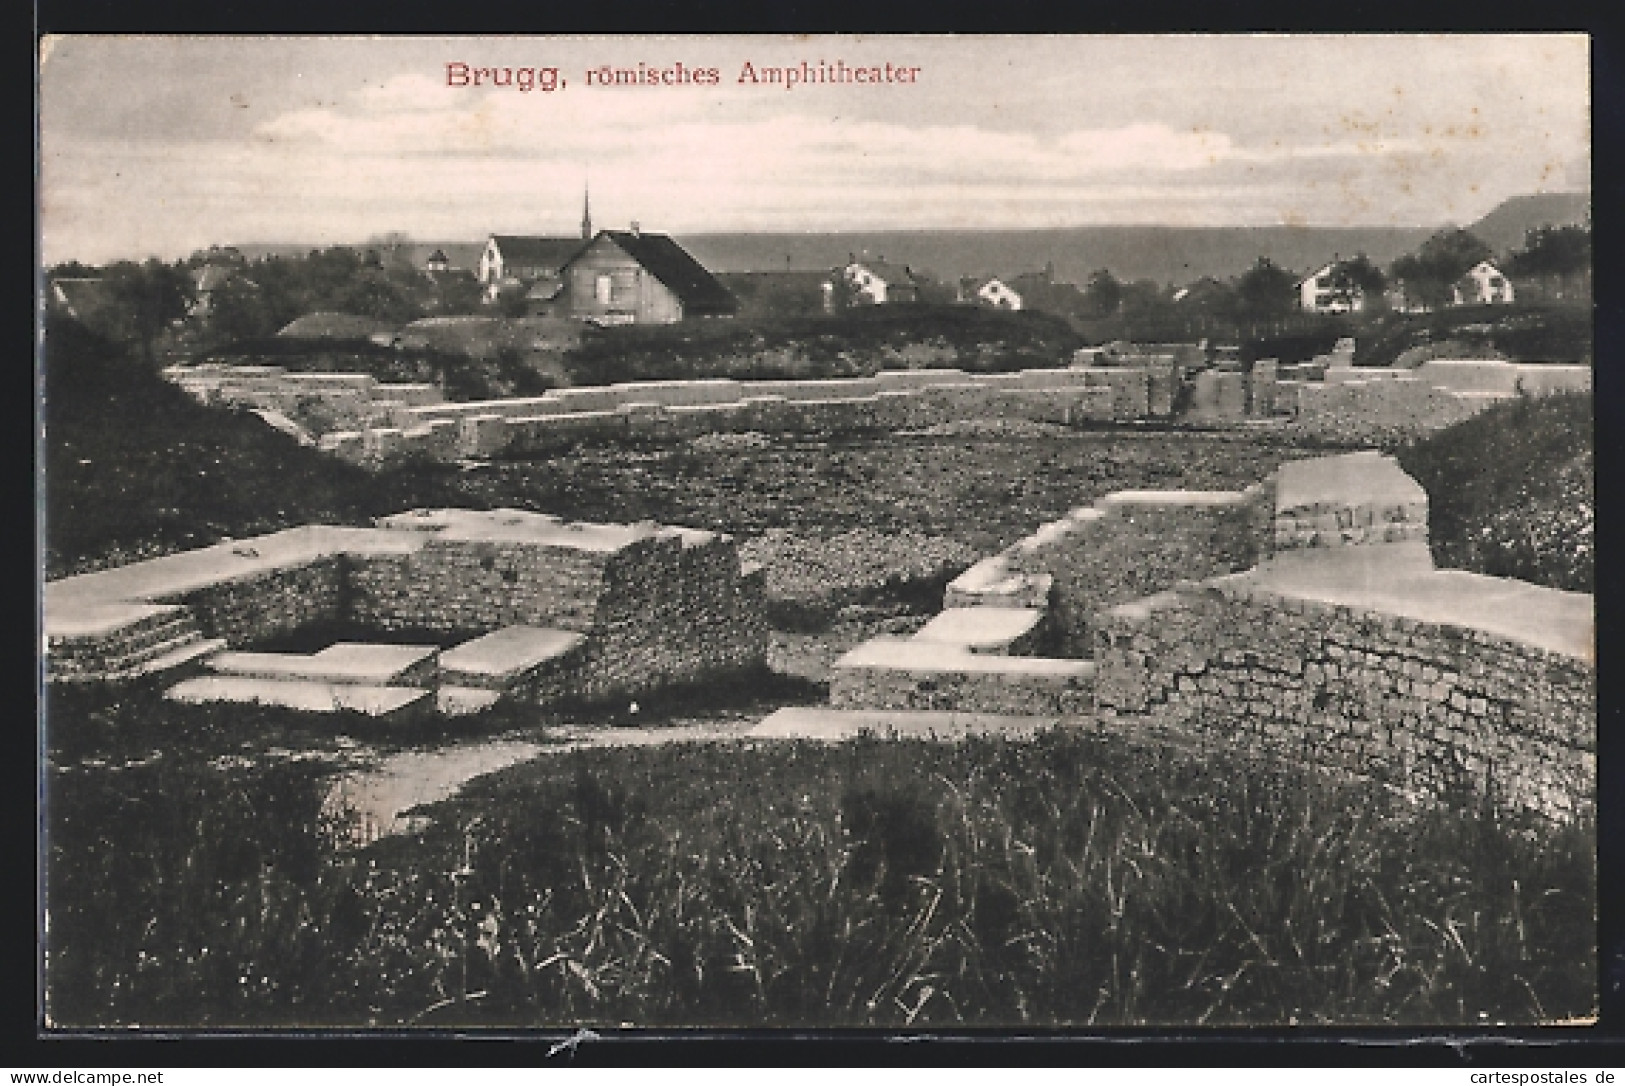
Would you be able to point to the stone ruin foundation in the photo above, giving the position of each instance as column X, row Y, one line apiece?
column 1302, row 616
column 544, row 609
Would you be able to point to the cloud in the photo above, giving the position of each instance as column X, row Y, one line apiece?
column 1405, row 142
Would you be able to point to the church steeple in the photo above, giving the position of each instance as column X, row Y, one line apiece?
column 586, row 214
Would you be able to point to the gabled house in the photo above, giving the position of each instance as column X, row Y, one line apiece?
column 510, row 261
column 438, row 262
column 1484, row 284
column 875, row 282
column 989, row 291
column 1041, row 293
column 1320, row 292
column 631, row 277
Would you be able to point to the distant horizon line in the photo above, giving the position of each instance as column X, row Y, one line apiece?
column 713, row 232
column 479, row 238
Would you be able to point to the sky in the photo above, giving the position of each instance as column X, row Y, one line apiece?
column 157, row 146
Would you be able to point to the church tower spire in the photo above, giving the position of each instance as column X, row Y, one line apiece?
column 586, row 213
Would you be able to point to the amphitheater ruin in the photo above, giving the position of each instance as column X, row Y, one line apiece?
column 1302, row 616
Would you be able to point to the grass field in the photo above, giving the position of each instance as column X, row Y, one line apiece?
column 1067, row 881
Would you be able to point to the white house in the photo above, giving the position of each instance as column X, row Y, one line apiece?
column 511, row 260
column 1482, row 285
column 875, row 282
column 991, row 292
column 1318, row 292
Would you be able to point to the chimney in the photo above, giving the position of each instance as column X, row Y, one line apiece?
column 634, row 228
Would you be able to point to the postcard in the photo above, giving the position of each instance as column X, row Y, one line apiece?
column 913, row 533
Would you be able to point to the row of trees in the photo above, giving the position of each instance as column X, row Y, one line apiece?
column 1266, row 294
column 142, row 303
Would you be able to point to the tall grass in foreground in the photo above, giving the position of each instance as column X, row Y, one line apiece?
column 1063, row 882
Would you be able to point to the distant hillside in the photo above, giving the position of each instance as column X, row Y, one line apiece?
column 1166, row 254
column 1504, row 228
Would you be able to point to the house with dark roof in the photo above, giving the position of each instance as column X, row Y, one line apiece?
column 875, row 282
column 1041, row 293
column 632, row 277
column 438, row 262
column 510, row 261
column 1324, row 290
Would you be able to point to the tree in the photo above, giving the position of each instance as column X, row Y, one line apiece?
column 1553, row 253
column 1144, row 300
column 1265, row 292
column 239, row 311
column 1358, row 278
column 1103, row 294
column 372, row 293
column 1429, row 273
column 394, row 250
column 146, row 299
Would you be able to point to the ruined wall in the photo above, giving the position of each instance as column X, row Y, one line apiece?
column 1374, row 411
column 669, row 607
column 245, row 610
column 1424, row 706
column 670, row 612
column 674, row 410
column 1134, row 543
column 476, row 586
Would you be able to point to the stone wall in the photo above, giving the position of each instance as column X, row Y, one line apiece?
column 656, row 605
column 246, row 610
column 476, row 586
column 671, row 612
column 1375, row 410
column 888, row 673
column 1424, row 706
column 377, row 424
column 673, row 410
column 1133, row 543
column 667, row 607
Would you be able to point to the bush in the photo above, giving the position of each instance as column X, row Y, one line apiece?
column 856, row 343
column 1511, row 491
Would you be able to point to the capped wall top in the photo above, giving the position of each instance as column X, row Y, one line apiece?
column 537, row 529
column 1361, row 478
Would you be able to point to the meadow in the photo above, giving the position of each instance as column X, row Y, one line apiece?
column 1067, row 881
